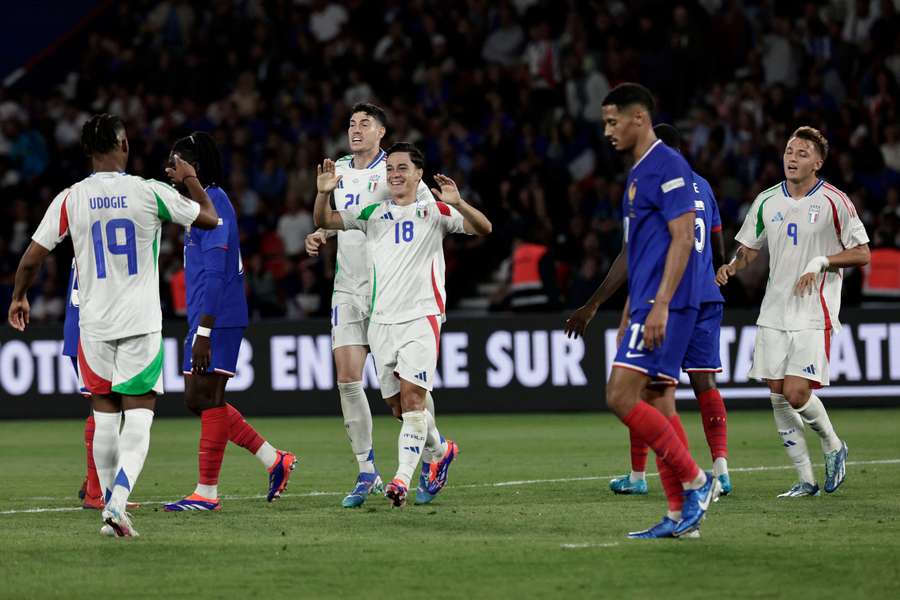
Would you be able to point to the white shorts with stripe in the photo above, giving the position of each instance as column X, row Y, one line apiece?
column 803, row 353
column 349, row 326
column 131, row 366
column 405, row 351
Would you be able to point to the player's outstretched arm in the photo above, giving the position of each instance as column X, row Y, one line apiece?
column 578, row 321
column 681, row 229
column 326, row 181
column 29, row 266
column 183, row 172
column 474, row 221
column 743, row 257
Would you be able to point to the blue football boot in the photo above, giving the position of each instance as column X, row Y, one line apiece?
column 696, row 503
column 366, row 485
column 835, row 468
column 624, row 485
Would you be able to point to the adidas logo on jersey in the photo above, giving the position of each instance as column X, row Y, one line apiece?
column 811, row 369
column 388, row 216
column 778, row 217
column 423, row 376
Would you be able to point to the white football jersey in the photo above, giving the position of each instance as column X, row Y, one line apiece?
column 407, row 249
column 115, row 221
column 358, row 188
column 822, row 223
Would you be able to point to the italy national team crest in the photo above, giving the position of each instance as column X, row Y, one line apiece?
column 421, row 210
column 813, row 214
column 373, row 183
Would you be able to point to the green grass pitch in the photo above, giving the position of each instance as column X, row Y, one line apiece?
column 527, row 514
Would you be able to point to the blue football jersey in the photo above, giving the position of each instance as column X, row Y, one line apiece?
column 660, row 188
column 708, row 221
column 216, row 249
column 70, row 325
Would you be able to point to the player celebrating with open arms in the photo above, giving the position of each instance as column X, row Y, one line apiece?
column 405, row 237
column 363, row 182
column 217, row 317
column 115, row 222
column 812, row 230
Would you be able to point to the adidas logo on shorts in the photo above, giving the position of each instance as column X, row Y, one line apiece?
column 811, row 369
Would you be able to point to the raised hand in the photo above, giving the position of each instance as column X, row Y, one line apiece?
column 180, row 169
column 449, row 193
column 326, row 180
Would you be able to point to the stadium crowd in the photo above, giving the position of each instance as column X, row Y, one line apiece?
column 502, row 96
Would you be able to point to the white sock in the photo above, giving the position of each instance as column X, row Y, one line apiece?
column 358, row 423
column 413, row 434
column 267, row 455
column 431, row 452
column 675, row 515
column 637, row 476
column 134, row 443
column 207, row 491
column 720, row 466
column 106, row 449
column 435, row 444
column 697, row 482
column 790, row 428
column 814, row 414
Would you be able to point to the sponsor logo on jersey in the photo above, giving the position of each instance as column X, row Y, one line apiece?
column 387, row 216
column 778, row 217
column 813, row 213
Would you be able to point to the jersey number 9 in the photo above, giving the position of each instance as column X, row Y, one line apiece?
column 792, row 232
column 128, row 248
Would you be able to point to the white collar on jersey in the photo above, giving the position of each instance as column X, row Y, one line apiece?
column 649, row 150
column 378, row 158
column 819, row 183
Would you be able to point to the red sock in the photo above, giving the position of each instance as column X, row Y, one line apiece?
column 639, row 452
column 671, row 485
column 213, row 439
column 93, row 482
column 715, row 422
column 650, row 425
column 240, row 431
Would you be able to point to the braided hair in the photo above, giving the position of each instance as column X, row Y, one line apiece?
column 100, row 134
column 200, row 149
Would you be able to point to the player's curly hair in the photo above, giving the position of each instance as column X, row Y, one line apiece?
column 200, row 149
column 415, row 155
column 818, row 139
column 101, row 134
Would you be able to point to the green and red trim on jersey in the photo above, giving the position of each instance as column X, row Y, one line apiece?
column 92, row 382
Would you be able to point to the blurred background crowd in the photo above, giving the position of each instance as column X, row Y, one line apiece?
column 504, row 96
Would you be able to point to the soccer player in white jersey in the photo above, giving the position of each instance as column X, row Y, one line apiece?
column 363, row 182
column 114, row 220
column 812, row 231
column 405, row 238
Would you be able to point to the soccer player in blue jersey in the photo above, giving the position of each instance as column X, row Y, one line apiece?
column 217, row 317
column 702, row 359
column 664, row 296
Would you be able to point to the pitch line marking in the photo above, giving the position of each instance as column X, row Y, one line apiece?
column 519, row 482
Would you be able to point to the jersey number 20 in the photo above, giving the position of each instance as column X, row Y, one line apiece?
column 129, row 248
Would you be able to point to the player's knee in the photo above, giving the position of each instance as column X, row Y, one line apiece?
column 796, row 396
column 702, row 382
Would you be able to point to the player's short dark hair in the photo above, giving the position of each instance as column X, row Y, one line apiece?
column 200, row 148
column 415, row 155
column 101, row 134
column 376, row 112
column 628, row 94
column 811, row 134
column 669, row 135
